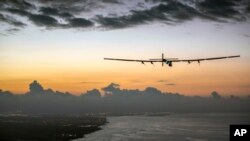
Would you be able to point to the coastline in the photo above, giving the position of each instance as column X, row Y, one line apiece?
column 48, row 127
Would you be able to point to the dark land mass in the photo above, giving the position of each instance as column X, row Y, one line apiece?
column 48, row 128
column 91, row 105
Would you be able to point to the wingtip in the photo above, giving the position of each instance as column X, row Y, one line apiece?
column 234, row 56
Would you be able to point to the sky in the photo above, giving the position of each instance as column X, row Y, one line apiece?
column 62, row 44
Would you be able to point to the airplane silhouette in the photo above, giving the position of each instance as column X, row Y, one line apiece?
column 170, row 61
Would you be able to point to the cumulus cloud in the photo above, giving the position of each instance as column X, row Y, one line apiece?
column 115, row 101
column 36, row 88
column 216, row 95
column 115, row 14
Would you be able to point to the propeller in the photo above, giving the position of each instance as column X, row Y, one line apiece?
column 162, row 57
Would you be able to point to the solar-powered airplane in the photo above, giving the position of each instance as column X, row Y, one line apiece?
column 170, row 61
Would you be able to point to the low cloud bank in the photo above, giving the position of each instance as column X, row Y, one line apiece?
column 115, row 101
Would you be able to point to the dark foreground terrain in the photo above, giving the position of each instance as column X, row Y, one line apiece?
column 45, row 128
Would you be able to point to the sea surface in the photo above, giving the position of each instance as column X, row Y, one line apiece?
column 172, row 127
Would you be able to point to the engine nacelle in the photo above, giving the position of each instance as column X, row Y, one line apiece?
column 169, row 63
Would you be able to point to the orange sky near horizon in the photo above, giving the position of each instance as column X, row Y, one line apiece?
column 73, row 61
column 221, row 76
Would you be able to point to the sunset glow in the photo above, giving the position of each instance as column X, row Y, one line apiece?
column 72, row 59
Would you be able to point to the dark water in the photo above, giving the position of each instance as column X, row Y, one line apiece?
column 174, row 127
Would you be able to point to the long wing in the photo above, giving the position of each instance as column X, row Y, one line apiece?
column 204, row 59
column 131, row 60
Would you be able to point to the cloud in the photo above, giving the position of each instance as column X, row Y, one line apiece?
column 92, row 93
column 11, row 21
column 173, row 12
column 55, row 12
column 22, row 4
column 220, row 8
column 36, row 88
column 18, row 11
column 216, row 95
column 161, row 81
column 80, row 22
column 166, row 82
column 170, row 84
column 115, row 14
column 246, row 35
column 112, row 1
column 116, row 100
column 248, row 8
column 38, row 19
column 111, row 88
column 12, row 30
column 49, row 11
column 49, row 21
column 43, row 20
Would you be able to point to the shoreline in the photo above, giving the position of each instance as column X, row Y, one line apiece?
column 48, row 127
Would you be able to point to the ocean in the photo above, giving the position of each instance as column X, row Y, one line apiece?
column 171, row 127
